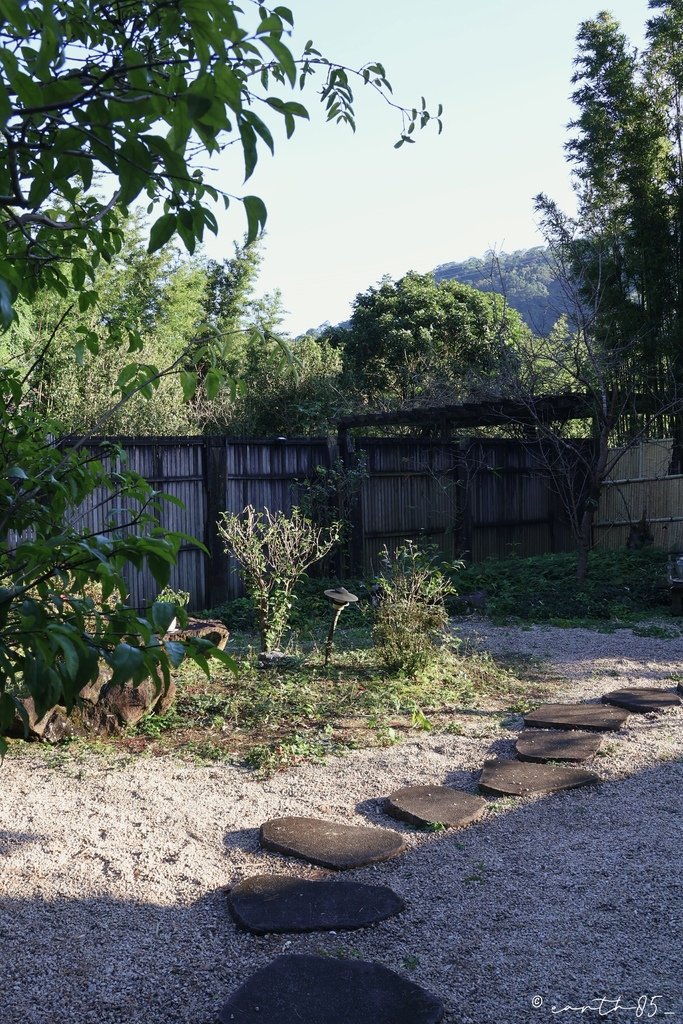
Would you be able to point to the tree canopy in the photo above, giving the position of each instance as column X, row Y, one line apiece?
column 625, row 244
column 419, row 340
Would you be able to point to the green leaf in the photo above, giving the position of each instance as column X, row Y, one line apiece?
column 248, row 137
column 256, row 216
column 163, row 229
column 163, row 614
column 159, row 568
column 213, row 383
column 127, row 662
column 188, row 382
column 283, row 55
column 175, row 651
column 225, row 659
column 8, row 708
column 6, row 311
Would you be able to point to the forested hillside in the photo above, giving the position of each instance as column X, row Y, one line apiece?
column 525, row 277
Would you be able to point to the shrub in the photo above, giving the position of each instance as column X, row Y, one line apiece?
column 273, row 552
column 411, row 612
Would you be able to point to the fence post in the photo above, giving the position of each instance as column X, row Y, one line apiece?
column 215, row 484
column 355, row 546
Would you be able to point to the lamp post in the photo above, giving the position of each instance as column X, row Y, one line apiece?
column 339, row 599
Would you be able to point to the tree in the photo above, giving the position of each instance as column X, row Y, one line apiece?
column 416, row 340
column 625, row 151
column 103, row 105
column 581, row 357
column 288, row 388
column 140, row 91
column 155, row 302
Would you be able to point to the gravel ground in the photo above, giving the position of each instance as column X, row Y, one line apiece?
column 113, row 876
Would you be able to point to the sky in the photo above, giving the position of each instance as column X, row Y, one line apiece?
column 346, row 209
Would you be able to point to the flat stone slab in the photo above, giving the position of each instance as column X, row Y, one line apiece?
column 280, row 903
column 426, row 805
column 643, row 699
column 540, row 745
column 592, row 717
column 322, row 990
column 329, row 844
column 520, row 778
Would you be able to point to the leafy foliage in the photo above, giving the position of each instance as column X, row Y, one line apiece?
column 137, row 91
column 273, row 551
column 416, row 340
column 619, row 583
column 624, row 246
column 411, row 611
column 54, row 631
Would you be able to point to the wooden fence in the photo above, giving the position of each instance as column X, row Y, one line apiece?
column 641, row 486
column 471, row 498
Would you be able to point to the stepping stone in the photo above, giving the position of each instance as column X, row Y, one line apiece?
column 519, row 778
column 541, row 745
column 279, row 903
column 321, row 990
column 643, row 699
column 425, row 805
column 329, row 844
column 593, row 717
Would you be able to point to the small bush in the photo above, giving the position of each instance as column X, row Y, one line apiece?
column 273, row 551
column 619, row 583
column 411, row 612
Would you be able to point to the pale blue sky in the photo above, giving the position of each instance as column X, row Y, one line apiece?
column 345, row 209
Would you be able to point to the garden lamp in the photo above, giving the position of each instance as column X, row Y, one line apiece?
column 339, row 599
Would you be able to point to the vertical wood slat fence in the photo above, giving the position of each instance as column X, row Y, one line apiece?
column 471, row 498
column 641, row 485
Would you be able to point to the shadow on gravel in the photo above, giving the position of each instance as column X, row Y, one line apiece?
column 10, row 840
column 243, row 839
column 553, row 902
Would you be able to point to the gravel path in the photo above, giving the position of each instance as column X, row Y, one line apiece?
column 112, row 877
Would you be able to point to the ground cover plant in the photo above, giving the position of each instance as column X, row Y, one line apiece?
column 270, row 718
column 620, row 584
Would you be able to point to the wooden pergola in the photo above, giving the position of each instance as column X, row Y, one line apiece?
column 489, row 413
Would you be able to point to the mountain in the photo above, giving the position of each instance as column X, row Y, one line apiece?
column 525, row 277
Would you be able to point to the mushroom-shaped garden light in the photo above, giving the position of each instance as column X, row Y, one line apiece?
column 339, row 599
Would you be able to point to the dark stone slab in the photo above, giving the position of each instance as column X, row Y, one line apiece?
column 541, row 745
column 643, row 699
column 423, row 805
column 680, row 689
column 329, row 844
column 519, row 778
column 322, row 990
column 278, row 903
column 592, row 717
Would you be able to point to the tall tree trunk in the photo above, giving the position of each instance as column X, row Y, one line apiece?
column 597, row 479
column 584, row 544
